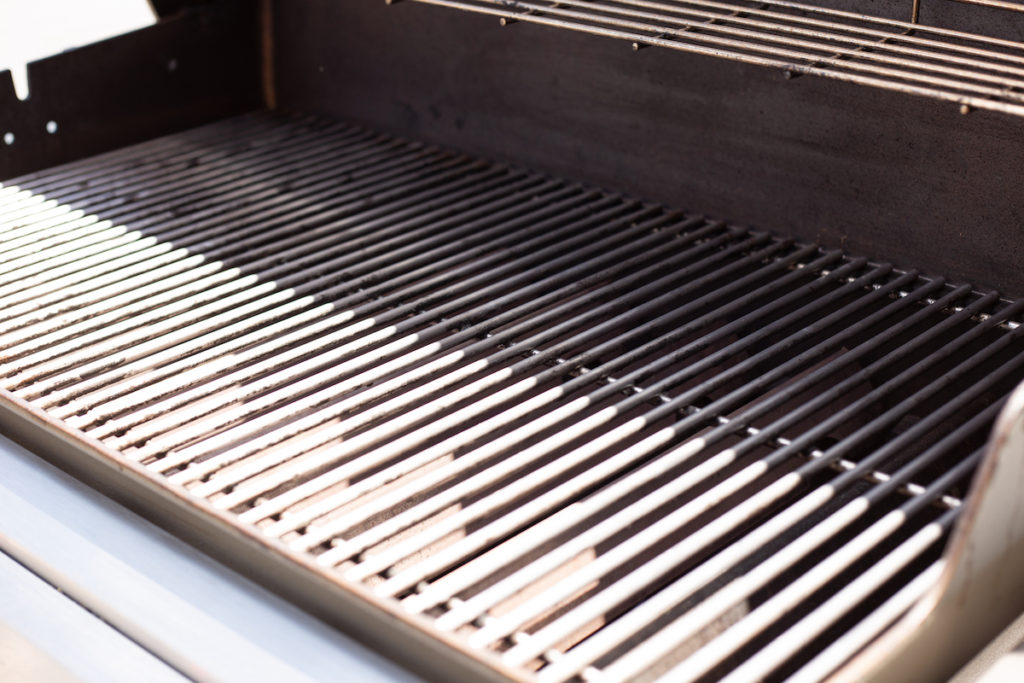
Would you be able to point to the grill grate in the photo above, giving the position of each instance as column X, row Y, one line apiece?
column 970, row 69
column 588, row 436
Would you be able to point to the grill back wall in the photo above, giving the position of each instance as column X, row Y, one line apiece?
column 872, row 171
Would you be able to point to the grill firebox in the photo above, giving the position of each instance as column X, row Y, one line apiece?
column 574, row 434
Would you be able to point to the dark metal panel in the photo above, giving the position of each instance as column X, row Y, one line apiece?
column 196, row 67
column 874, row 172
column 166, row 8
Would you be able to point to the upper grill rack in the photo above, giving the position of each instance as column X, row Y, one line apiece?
column 587, row 436
column 974, row 71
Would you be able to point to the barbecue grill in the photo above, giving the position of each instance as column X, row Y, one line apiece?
column 522, row 352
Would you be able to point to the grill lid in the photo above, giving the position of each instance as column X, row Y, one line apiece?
column 575, row 435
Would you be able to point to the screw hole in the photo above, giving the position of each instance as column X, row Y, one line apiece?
column 51, row 127
column 172, row 65
column 8, row 138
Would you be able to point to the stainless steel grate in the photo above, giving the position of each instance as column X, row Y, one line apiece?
column 587, row 436
column 969, row 69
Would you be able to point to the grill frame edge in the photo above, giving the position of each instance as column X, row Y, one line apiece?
column 359, row 614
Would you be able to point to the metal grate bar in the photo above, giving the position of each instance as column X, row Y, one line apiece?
column 628, row 383
column 31, row 353
column 814, row 624
column 428, row 260
column 665, row 408
column 48, row 265
column 578, row 434
column 160, row 150
column 413, row 322
column 118, row 281
column 741, row 588
column 854, row 640
column 293, row 262
column 972, row 70
column 712, row 569
column 698, row 419
column 536, row 360
column 86, row 176
column 178, row 184
column 624, row 15
column 542, row 641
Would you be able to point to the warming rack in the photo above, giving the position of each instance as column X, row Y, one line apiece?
column 972, row 70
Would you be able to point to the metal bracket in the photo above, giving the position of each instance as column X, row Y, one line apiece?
column 981, row 588
column 196, row 67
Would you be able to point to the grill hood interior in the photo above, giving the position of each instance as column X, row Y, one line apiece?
column 522, row 354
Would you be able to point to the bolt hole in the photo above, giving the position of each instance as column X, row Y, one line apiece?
column 172, row 65
column 51, row 127
column 8, row 138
